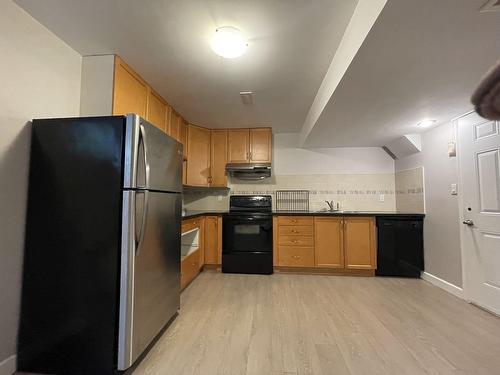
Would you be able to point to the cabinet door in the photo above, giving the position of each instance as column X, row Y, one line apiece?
column 157, row 110
column 130, row 94
column 190, row 267
column 198, row 158
column 328, row 240
column 359, row 243
column 175, row 122
column 201, row 244
column 183, row 135
column 260, row 145
column 211, row 240
column 167, row 120
column 238, row 144
column 218, row 158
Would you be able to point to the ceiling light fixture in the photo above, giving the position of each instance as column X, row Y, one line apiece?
column 229, row 42
column 426, row 123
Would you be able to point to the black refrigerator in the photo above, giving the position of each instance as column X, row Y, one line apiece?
column 101, row 273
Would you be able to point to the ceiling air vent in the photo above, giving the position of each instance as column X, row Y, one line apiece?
column 246, row 97
column 490, row 6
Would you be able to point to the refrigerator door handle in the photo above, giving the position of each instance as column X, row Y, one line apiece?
column 140, row 238
column 127, row 271
column 143, row 139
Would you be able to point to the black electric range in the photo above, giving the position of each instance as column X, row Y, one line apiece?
column 247, row 235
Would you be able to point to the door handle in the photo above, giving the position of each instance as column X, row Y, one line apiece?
column 470, row 223
column 140, row 237
column 142, row 133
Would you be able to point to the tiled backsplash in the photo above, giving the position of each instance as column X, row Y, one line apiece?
column 410, row 190
column 352, row 191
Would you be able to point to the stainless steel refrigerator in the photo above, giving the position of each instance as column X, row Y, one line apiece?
column 101, row 274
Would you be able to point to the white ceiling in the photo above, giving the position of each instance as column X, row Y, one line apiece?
column 421, row 59
column 291, row 44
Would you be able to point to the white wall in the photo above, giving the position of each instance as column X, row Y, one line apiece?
column 441, row 228
column 39, row 77
column 290, row 159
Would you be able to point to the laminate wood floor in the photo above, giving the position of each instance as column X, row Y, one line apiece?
column 299, row 324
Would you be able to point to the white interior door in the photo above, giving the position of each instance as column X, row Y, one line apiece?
column 479, row 158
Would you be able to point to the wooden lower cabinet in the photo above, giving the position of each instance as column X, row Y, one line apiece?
column 346, row 245
column 209, row 250
column 190, row 268
column 328, row 239
column 213, row 240
column 295, row 241
column 296, row 256
column 359, row 243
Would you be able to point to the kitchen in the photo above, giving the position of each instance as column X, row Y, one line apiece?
column 315, row 225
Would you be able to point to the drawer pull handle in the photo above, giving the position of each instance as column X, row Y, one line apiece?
column 295, row 241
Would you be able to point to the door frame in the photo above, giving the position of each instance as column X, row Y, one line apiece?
column 461, row 206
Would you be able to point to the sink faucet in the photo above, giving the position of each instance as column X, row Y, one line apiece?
column 334, row 206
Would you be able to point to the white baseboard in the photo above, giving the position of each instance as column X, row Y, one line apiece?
column 449, row 287
column 8, row 366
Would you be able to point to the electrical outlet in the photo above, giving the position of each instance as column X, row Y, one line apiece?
column 381, row 198
column 219, row 198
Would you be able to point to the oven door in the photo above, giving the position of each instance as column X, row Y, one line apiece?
column 247, row 233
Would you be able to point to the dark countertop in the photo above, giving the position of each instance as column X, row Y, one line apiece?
column 189, row 214
column 346, row 213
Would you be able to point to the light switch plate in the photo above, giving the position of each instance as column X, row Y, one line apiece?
column 381, row 198
column 453, row 189
column 452, row 149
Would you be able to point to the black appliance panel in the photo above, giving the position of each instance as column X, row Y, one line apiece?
column 247, row 233
column 247, row 242
column 400, row 250
column 66, row 202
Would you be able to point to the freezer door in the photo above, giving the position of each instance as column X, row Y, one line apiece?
column 150, row 269
column 153, row 160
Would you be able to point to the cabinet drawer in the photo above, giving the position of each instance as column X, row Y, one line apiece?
column 294, row 230
column 296, row 241
column 294, row 256
column 295, row 220
column 190, row 267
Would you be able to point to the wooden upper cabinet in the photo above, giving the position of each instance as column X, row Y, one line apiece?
column 198, row 156
column 260, row 145
column 238, row 146
column 328, row 239
column 167, row 119
column 218, row 158
column 175, row 125
column 130, row 94
column 157, row 110
column 359, row 243
column 249, row 145
column 212, row 240
column 183, row 136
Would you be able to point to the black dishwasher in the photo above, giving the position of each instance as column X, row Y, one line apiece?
column 400, row 250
